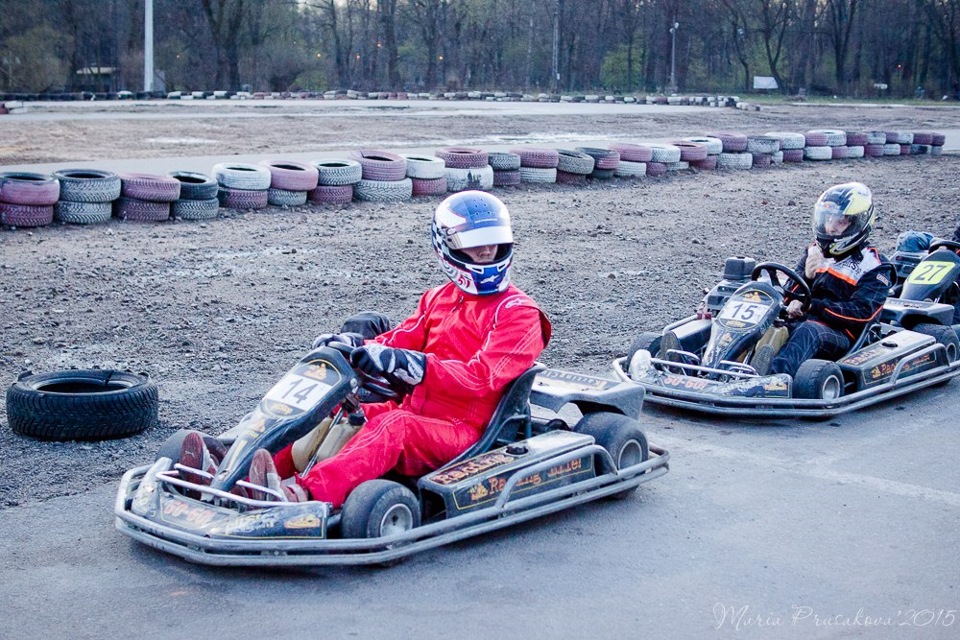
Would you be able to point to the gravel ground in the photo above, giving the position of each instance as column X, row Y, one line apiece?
column 216, row 312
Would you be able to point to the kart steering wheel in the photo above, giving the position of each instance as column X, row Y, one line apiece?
column 803, row 294
column 389, row 386
column 944, row 244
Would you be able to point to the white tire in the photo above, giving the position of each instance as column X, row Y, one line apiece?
column 237, row 175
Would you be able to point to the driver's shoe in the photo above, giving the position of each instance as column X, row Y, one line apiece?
column 195, row 455
column 263, row 473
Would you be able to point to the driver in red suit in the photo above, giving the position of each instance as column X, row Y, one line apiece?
column 466, row 341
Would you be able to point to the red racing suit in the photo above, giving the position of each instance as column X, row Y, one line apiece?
column 475, row 346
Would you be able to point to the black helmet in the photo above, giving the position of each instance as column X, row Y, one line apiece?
column 851, row 203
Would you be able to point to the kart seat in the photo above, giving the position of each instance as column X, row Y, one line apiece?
column 510, row 417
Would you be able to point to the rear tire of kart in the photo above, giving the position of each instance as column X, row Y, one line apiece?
column 818, row 380
column 82, row 404
column 620, row 436
column 647, row 340
column 943, row 335
column 379, row 508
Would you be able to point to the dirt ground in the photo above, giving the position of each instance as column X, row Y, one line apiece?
column 217, row 311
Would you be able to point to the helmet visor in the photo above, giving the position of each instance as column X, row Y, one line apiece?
column 830, row 222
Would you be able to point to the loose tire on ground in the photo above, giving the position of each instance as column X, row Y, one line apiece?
column 620, row 436
column 82, row 404
column 379, row 508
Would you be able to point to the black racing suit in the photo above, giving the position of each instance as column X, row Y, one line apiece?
column 846, row 296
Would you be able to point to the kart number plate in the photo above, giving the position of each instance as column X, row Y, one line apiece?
column 930, row 272
column 298, row 391
column 746, row 312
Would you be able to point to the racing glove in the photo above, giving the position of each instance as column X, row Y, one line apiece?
column 349, row 339
column 375, row 359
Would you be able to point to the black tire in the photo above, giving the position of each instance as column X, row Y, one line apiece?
column 378, row 508
column 172, row 445
column 943, row 335
column 647, row 340
column 195, row 186
column 620, row 436
column 83, row 212
column 818, row 380
column 82, row 404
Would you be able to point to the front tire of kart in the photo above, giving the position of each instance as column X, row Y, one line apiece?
column 818, row 380
column 620, row 436
column 172, row 445
column 943, row 335
column 379, row 508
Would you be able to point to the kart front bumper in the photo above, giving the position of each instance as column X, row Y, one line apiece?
column 689, row 392
column 291, row 550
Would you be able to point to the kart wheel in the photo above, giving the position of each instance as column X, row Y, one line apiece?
column 379, row 508
column 818, row 380
column 171, row 446
column 620, row 436
column 943, row 335
column 647, row 340
column 82, row 404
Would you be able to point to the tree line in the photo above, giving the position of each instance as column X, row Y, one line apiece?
column 836, row 47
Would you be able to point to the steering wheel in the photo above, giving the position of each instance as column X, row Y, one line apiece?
column 944, row 244
column 803, row 294
column 390, row 387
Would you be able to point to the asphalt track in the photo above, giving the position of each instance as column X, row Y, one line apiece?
column 792, row 530
column 841, row 528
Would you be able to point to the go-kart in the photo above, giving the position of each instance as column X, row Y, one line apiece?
column 528, row 462
column 708, row 362
column 926, row 281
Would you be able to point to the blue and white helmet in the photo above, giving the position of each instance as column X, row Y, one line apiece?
column 473, row 219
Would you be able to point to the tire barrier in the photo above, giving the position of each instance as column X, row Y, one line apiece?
column 475, row 178
column 424, row 168
column 246, row 177
column 503, row 160
column 507, row 178
column 149, row 187
column 538, row 175
column 537, row 158
column 189, row 209
column 91, row 196
column 788, row 140
column 690, row 151
column 714, row 145
column 233, row 198
column 732, row 142
column 33, row 189
column 383, row 190
column 820, row 152
column 25, row 215
column 628, row 169
column 286, row 197
column 382, row 166
column 287, row 175
column 332, row 173
column 336, row 193
column 573, row 161
column 88, row 185
column 632, row 152
column 463, row 157
column 72, row 212
column 735, row 160
column 126, row 208
column 431, row 186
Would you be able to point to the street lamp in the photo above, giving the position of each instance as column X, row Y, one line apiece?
column 673, row 57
